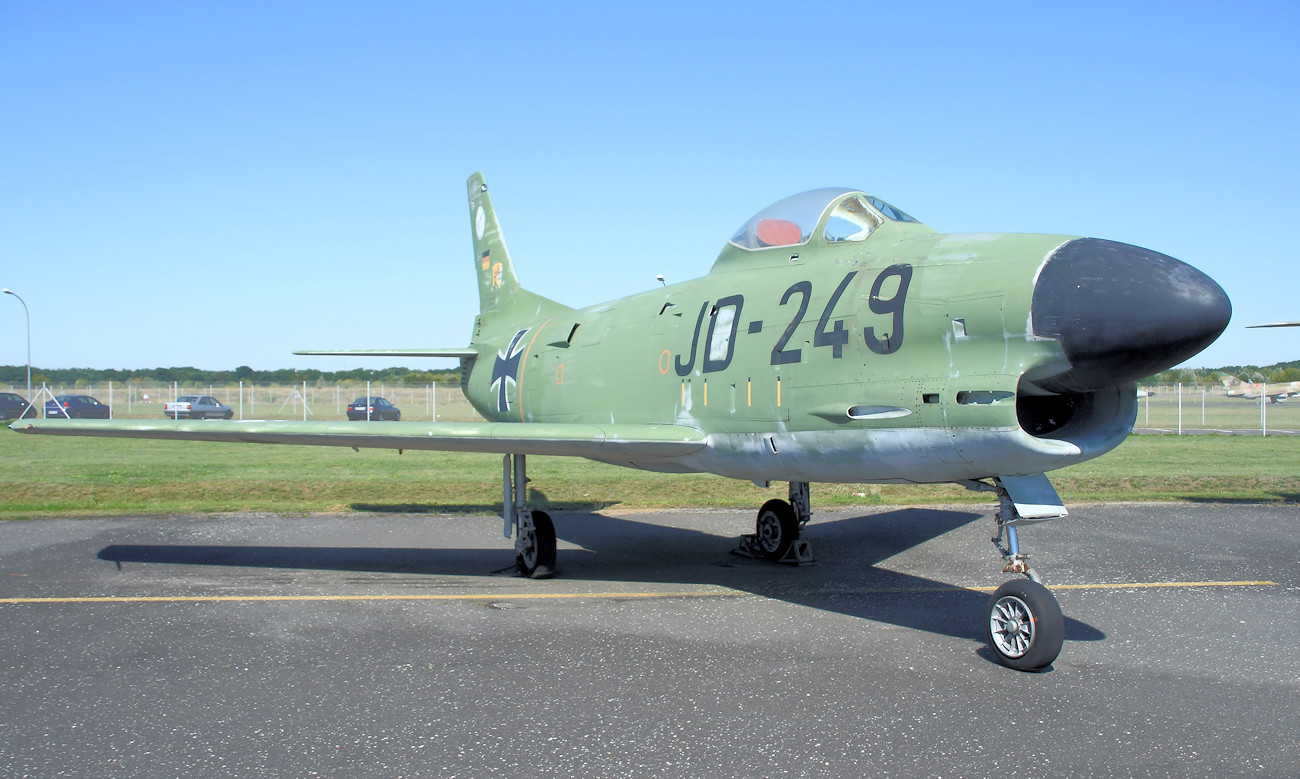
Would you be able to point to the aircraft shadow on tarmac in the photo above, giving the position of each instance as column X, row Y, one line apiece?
column 1287, row 498
column 535, row 498
column 846, row 578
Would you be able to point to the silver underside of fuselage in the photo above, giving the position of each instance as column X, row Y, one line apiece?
column 905, row 455
column 917, row 455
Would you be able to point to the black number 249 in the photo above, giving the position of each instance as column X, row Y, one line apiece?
column 836, row 337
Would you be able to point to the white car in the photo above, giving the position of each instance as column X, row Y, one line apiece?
column 197, row 407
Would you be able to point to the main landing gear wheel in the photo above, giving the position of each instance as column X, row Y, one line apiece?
column 536, row 559
column 777, row 529
column 1025, row 626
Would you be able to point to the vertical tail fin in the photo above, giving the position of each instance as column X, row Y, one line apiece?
column 498, row 286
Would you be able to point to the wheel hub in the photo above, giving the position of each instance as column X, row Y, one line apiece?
column 1012, row 626
column 529, row 550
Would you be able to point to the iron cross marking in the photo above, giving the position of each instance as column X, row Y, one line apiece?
column 506, row 370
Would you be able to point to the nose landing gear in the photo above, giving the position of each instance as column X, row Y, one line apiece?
column 1024, row 625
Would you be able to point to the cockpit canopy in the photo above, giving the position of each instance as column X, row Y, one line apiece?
column 791, row 222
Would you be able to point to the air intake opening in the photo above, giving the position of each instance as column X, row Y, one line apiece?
column 1081, row 418
column 1042, row 415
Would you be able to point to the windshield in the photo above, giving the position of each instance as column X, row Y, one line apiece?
column 897, row 214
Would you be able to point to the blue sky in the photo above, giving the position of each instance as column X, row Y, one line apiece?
column 218, row 184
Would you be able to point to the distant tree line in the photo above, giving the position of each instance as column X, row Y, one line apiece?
column 16, row 375
column 1277, row 373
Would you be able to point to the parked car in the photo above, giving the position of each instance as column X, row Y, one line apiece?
column 12, row 404
column 374, row 409
column 75, row 407
column 197, row 407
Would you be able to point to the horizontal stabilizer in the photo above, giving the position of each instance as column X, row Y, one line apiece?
column 563, row 439
column 455, row 353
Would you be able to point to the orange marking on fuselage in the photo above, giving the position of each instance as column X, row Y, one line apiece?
column 523, row 367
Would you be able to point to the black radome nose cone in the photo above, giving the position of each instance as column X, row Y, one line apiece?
column 1123, row 313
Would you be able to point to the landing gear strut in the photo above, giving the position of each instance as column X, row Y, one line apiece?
column 776, row 531
column 1024, row 625
column 534, row 531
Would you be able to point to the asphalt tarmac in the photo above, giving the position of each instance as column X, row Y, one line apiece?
column 394, row 645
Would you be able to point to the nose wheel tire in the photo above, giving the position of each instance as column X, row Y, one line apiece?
column 1025, row 627
column 777, row 529
column 536, row 559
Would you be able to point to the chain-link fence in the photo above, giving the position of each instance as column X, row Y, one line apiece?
column 1190, row 407
column 144, row 400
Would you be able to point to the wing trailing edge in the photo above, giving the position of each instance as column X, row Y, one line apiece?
column 598, row 442
column 460, row 353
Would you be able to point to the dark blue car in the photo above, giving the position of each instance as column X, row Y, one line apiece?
column 374, row 409
column 12, row 404
column 75, row 407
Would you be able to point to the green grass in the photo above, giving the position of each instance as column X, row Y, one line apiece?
column 56, row 476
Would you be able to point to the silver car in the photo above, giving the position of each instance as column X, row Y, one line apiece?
column 197, row 407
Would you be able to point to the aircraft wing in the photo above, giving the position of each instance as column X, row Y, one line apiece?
column 599, row 442
column 460, row 353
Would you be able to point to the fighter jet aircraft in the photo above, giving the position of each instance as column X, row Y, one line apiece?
column 1278, row 392
column 835, row 339
column 1239, row 388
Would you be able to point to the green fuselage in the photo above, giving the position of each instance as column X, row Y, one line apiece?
column 908, row 341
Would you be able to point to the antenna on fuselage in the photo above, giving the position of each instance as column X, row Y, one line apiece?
column 660, row 279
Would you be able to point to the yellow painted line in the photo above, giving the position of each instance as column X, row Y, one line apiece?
column 958, row 588
column 271, row 598
column 715, row 593
column 1143, row 585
